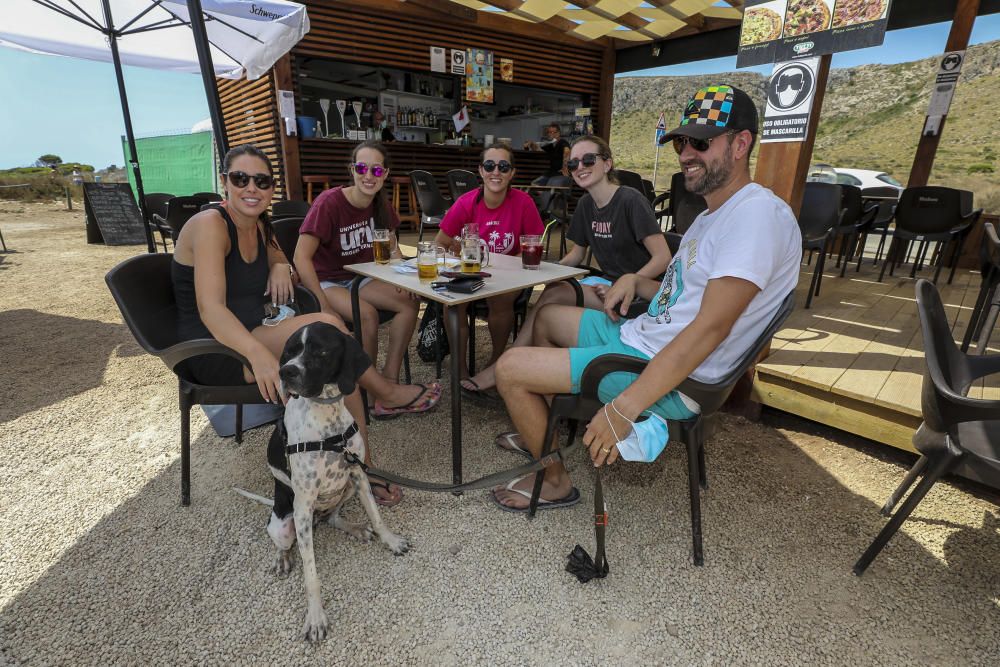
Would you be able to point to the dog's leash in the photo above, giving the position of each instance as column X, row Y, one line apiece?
column 486, row 482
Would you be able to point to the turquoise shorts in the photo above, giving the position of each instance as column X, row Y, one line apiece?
column 599, row 334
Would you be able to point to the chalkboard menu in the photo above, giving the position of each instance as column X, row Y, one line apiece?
column 780, row 30
column 113, row 217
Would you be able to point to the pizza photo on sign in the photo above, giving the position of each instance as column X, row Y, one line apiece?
column 805, row 16
column 850, row 12
column 760, row 24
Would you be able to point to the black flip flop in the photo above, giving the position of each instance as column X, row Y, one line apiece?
column 480, row 395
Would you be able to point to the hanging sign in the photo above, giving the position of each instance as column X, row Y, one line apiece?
column 949, row 69
column 506, row 70
column 437, row 59
column 790, row 92
column 661, row 129
column 780, row 30
column 479, row 76
column 461, row 119
column 458, row 61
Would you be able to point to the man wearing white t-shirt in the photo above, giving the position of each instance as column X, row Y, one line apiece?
column 734, row 267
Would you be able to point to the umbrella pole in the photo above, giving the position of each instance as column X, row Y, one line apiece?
column 130, row 135
column 208, row 75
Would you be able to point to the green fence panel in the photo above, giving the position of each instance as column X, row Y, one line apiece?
column 180, row 164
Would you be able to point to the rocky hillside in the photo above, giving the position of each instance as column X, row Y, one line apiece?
column 871, row 119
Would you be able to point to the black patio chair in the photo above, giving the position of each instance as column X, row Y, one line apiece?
column 884, row 214
column 693, row 432
column 648, row 190
column 553, row 206
column 179, row 211
column 292, row 208
column 461, row 181
column 286, row 233
column 209, row 197
column 631, row 179
column 431, row 202
column 820, row 214
column 142, row 288
column 857, row 217
column 682, row 206
column 959, row 434
column 156, row 215
column 926, row 214
column 984, row 313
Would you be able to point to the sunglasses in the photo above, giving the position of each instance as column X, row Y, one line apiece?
column 588, row 160
column 378, row 171
column 241, row 179
column 700, row 145
column 502, row 165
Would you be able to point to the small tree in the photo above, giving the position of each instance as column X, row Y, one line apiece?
column 48, row 160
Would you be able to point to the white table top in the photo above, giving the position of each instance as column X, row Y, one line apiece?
column 507, row 276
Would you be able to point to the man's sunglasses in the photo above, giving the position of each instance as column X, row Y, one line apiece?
column 378, row 171
column 588, row 160
column 241, row 179
column 700, row 145
column 489, row 165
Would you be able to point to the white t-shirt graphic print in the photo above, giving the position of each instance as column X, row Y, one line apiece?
column 753, row 236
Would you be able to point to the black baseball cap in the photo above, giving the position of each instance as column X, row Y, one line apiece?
column 715, row 110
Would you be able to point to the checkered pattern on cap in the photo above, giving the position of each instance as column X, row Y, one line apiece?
column 709, row 106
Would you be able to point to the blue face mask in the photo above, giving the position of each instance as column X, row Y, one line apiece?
column 646, row 440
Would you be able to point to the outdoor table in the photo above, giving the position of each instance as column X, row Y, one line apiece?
column 507, row 276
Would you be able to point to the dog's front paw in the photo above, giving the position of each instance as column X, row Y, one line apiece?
column 397, row 544
column 316, row 625
column 283, row 563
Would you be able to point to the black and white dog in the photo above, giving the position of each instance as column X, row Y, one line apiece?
column 320, row 365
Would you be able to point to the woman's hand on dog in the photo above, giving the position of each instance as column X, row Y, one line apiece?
column 264, row 366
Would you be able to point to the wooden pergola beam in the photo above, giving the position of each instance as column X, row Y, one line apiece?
column 958, row 40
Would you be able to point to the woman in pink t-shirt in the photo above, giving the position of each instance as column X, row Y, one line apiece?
column 502, row 215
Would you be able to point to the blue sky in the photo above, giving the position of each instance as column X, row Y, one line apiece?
column 71, row 108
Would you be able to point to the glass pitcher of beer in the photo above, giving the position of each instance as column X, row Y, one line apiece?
column 382, row 246
column 474, row 252
column 428, row 257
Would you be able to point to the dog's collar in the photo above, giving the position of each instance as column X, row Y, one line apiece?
column 323, row 401
column 335, row 443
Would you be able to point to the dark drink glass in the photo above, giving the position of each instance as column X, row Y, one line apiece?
column 531, row 251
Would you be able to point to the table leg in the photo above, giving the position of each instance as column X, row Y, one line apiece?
column 356, row 326
column 452, row 322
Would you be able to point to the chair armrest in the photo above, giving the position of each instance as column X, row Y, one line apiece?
column 604, row 364
column 660, row 199
column 306, row 300
column 981, row 366
column 187, row 349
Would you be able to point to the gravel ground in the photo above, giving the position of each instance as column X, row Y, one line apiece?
column 100, row 565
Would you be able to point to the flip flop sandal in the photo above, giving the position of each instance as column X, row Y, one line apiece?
column 422, row 402
column 378, row 482
column 570, row 499
column 509, row 442
column 484, row 396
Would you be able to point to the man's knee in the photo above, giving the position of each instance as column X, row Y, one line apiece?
column 510, row 367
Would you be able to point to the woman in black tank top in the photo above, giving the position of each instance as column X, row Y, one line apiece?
column 227, row 266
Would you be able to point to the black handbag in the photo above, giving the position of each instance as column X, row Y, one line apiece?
column 431, row 331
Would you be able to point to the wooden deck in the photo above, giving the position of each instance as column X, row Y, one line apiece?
column 854, row 360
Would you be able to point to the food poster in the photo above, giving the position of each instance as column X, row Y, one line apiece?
column 479, row 76
column 506, row 70
column 779, row 30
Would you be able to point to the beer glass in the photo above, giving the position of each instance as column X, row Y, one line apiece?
column 531, row 251
column 428, row 256
column 382, row 246
column 475, row 254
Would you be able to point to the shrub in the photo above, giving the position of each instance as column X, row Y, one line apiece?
column 980, row 169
